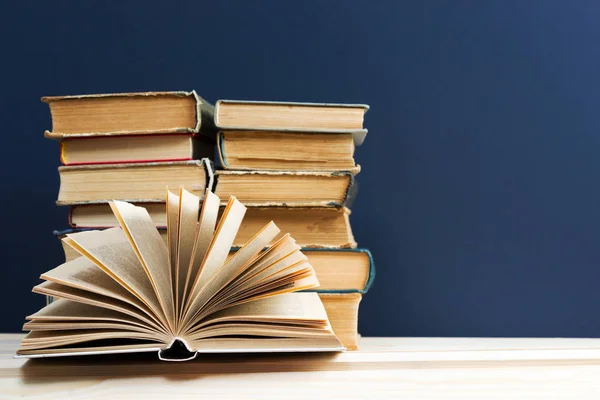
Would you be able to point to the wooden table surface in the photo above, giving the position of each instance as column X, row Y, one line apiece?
column 384, row 368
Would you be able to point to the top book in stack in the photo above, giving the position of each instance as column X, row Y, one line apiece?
column 129, row 146
column 284, row 136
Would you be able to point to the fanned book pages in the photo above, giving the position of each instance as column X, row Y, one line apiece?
column 131, row 292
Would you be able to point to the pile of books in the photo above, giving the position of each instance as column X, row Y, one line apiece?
column 292, row 163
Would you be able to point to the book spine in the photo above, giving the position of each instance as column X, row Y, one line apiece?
column 63, row 161
column 351, row 192
column 205, row 124
column 130, row 161
column 210, row 174
column 70, row 217
column 220, row 160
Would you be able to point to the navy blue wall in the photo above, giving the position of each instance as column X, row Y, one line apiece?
column 480, row 190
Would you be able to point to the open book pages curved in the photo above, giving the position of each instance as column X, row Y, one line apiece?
column 129, row 292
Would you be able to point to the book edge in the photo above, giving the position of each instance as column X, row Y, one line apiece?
column 130, row 164
column 176, row 93
column 366, row 107
column 358, row 135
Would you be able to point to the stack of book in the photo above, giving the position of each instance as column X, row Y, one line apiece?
column 292, row 163
column 129, row 146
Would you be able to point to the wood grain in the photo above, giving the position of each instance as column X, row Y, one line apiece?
column 384, row 368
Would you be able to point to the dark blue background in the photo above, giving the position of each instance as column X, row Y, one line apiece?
column 480, row 190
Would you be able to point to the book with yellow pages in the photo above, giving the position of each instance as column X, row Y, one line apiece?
column 131, row 292
column 119, row 114
column 315, row 227
column 285, row 116
column 282, row 151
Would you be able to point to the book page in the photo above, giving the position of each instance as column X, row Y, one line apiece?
column 217, row 252
column 292, row 320
column 291, row 306
column 206, row 229
column 172, row 205
column 111, row 251
column 189, row 206
column 140, row 346
column 47, row 339
column 36, row 325
column 59, row 291
column 267, row 345
column 288, row 267
column 259, row 329
column 281, row 248
column 67, row 311
column 81, row 273
column 237, row 264
column 279, row 251
column 284, row 286
column 150, row 250
column 283, row 255
column 301, row 277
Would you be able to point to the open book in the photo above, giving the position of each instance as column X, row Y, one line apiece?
column 129, row 292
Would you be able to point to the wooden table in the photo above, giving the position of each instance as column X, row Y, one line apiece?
column 385, row 368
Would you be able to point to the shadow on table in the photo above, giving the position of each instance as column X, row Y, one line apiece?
column 147, row 364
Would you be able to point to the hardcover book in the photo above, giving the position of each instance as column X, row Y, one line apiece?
column 129, row 114
column 315, row 227
column 136, row 182
column 288, row 188
column 135, row 148
column 291, row 117
column 252, row 150
column 129, row 292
